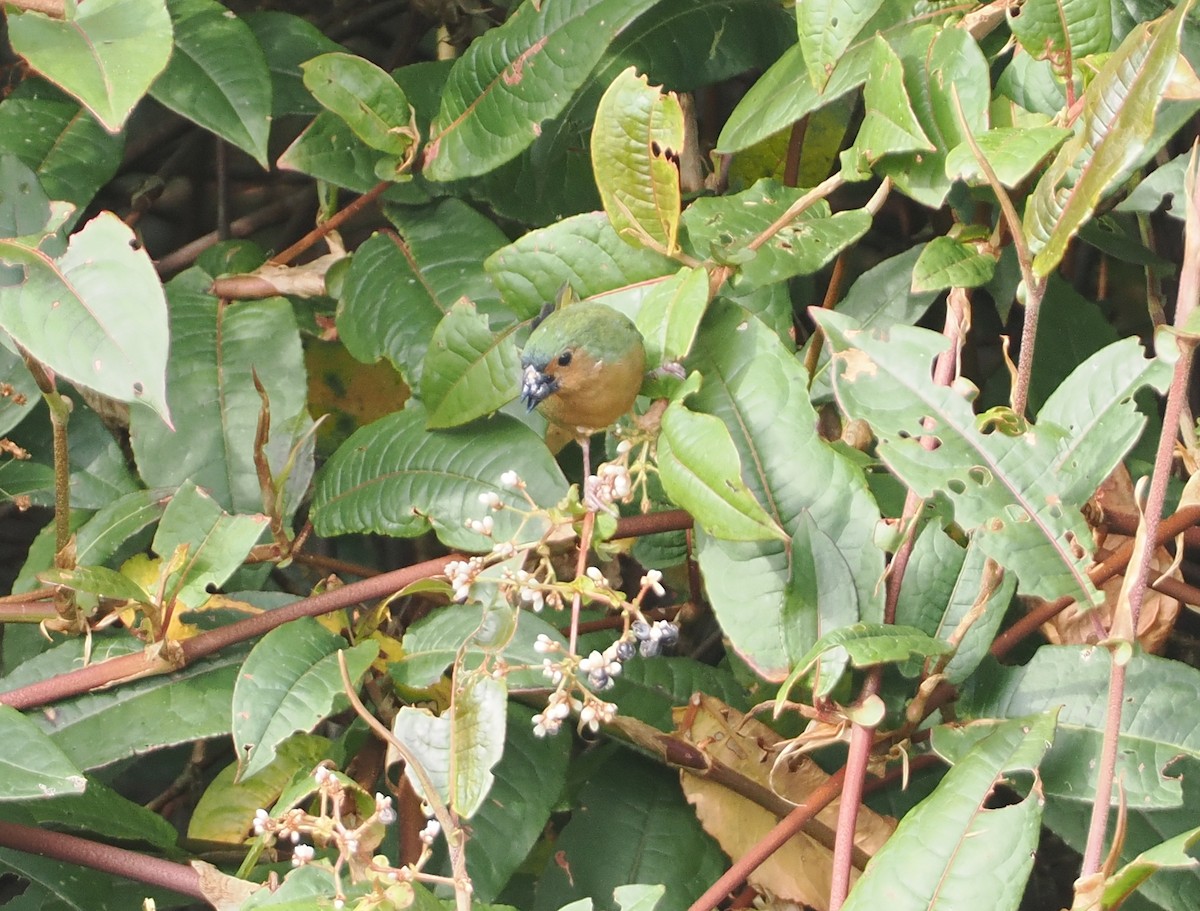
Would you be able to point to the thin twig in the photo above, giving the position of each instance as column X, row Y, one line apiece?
column 1185, row 304
column 455, row 837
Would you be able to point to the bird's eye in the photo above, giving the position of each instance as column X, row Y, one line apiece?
column 564, row 359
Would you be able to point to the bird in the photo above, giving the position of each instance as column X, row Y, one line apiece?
column 582, row 368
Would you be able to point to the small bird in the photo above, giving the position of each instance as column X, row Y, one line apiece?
column 583, row 367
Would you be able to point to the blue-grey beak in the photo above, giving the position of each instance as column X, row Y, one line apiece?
column 535, row 386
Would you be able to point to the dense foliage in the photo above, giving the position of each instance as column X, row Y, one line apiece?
column 881, row 598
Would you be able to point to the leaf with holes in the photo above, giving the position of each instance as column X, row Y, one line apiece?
column 636, row 143
column 1002, row 486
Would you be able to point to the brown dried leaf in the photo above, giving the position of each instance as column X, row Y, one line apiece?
column 800, row 870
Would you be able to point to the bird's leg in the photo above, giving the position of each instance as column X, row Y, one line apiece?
column 585, row 538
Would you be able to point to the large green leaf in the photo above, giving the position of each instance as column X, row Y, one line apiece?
column 71, row 153
column 953, row 850
column 216, row 542
column 72, row 312
column 398, row 289
column 458, row 748
column 1001, row 485
column 452, row 633
column 1095, row 406
column 106, row 52
column 722, row 228
column 1110, row 137
column 217, row 76
column 762, row 592
column 469, row 370
column 215, row 353
column 1155, row 729
column 584, row 251
column 934, row 74
column 672, row 44
column 785, row 94
column 515, row 77
column 137, row 717
column 364, row 96
column 826, row 28
column 628, row 811
column 395, row 477
column 1063, row 31
column 289, row 682
column 636, row 143
column 942, row 585
column 528, row 783
column 701, row 471
column 33, row 766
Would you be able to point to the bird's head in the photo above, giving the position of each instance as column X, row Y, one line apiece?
column 583, row 365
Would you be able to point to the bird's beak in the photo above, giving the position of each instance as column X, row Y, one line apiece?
column 535, row 386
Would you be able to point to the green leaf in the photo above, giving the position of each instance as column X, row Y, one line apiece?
column 759, row 390
column 1095, row 406
column 1110, row 137
column 71, row 153
column 225, row 811
column 398, row 289
column 72, row 312
column 216, row 542
column 673, row 44
column 949, row 263
column 627, row 806
column 289, row 682
column 469, row 370
column 862, row 645
column 882, row 296
column 889, row 123
column 670, row 315
column 364, row 96
column 17, row 405
column 106, row 726
column 215, row 353
column 112, row 525
column 722, row 228
column 1062, row 31
column 941, row 586
column 1012, row 153
column 287, row 41
column 934, row 73
column 433, row 643
column 328, row 150
column 826, row 29
column 394, row 477
column 1172, row 854
column 528, row 783
column 106, row 52
column 583, row 251
column 952, row 848
column 517, row 76
column 637, row 897
column 1001, row 485
column 217, row 76
column 458, row 748
column 637, row 139
column 785, row 94
column 32, row 765
column 701, row 472
column 97, row 580
column 478, row 720
column 1076, row 678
